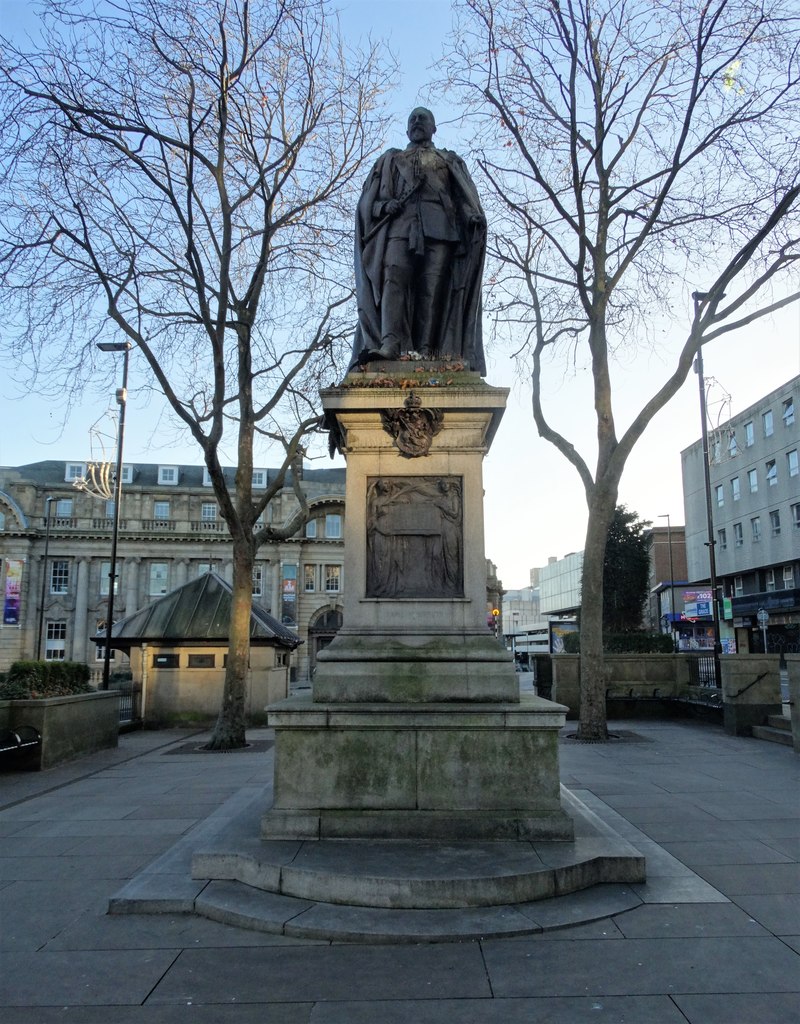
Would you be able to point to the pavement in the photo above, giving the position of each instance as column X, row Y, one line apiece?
column 712, row 937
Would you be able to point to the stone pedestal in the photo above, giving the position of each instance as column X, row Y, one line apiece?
column 415, row 728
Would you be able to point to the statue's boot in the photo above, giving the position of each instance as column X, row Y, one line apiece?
column 390, row 349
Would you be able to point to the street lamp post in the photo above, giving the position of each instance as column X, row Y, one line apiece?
column 47, row 503
column 671, row 577
column 699, row 298
column 122, row 398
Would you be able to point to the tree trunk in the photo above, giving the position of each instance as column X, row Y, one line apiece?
column 229, row 731
column 592, row 727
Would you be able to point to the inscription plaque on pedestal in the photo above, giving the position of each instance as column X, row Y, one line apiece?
column 415, row 545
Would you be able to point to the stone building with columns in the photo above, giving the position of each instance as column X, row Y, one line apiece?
column 56, row 555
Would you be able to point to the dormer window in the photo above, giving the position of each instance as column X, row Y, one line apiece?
column 127, row 474
column 259, row 479
column 168, row 475
column 206, row 477
column 74, row 471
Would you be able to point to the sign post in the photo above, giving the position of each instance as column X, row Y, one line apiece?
column 763, row 618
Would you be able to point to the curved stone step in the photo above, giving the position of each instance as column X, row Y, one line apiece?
column 426, row 875
column 245, row 907
column 416, row 875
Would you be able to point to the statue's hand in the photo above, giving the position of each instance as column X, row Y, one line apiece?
column 394, row 206
column 477, row 220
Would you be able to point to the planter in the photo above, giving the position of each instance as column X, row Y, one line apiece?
column 70, row 727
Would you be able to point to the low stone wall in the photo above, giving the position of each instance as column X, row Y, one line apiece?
column 641, row 684
column 70, row 727
column 646, row 677
column 751, row 690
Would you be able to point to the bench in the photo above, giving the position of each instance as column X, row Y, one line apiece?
column 22, row 740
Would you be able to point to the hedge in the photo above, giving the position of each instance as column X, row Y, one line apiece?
column 27, row 680
column 626, row 643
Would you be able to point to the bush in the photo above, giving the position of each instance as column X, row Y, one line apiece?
column 626, row 643
column 639, row 643
column 122, row 679
column 572, row 643
column 26, row 680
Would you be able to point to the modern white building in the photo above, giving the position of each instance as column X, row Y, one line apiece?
column 560, row 584
column 754, row 470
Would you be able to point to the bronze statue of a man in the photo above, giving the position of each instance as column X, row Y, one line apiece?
column 419, row 251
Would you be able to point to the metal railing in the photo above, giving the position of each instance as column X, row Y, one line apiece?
column 701, row 670
column 130, row 699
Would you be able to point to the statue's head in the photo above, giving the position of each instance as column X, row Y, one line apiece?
column 421, row 125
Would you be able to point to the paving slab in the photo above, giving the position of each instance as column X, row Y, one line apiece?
column 324, row 973
column 781, row 828
column 691, row 831
column 789, row 847
column 38, row 846
column 157, row 893
column 100, row 978
column 780, row 914
column 158, row 931
column 683, row 889
column 742, row 851
column 65, row 866
column 687, row 920
column 34, row 911
column 642, row 967
column 602, row 928
column 606, row 1010
column 758, row 879
column 165, row 1013
column 740, row 1008
column 173, row 827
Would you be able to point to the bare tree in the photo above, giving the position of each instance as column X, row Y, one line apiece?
column 633, row 149
column 181, row 176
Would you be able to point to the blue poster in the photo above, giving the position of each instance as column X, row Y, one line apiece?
column 13, row 591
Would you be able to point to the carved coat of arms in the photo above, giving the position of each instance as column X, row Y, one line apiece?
column 412, row 427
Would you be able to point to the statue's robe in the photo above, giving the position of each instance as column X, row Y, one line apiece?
column 459, row 331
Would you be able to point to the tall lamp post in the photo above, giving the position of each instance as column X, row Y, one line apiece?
column 671, row 577
column 699, row 298
column 47, row 503
column 122, row 398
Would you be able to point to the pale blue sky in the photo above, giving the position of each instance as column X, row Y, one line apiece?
column 534, row 504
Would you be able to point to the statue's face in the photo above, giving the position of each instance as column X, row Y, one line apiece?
column 421, row 125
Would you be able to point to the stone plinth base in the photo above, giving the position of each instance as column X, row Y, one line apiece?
column 417, row 667
column 446, row 772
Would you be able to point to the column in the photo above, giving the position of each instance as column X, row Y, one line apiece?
column 80, row 623
column 131, row 585
column 180, row 568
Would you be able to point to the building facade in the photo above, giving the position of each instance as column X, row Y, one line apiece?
column 667, row 577
column 560, row 585
column 755, row 504
column 55, row 543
